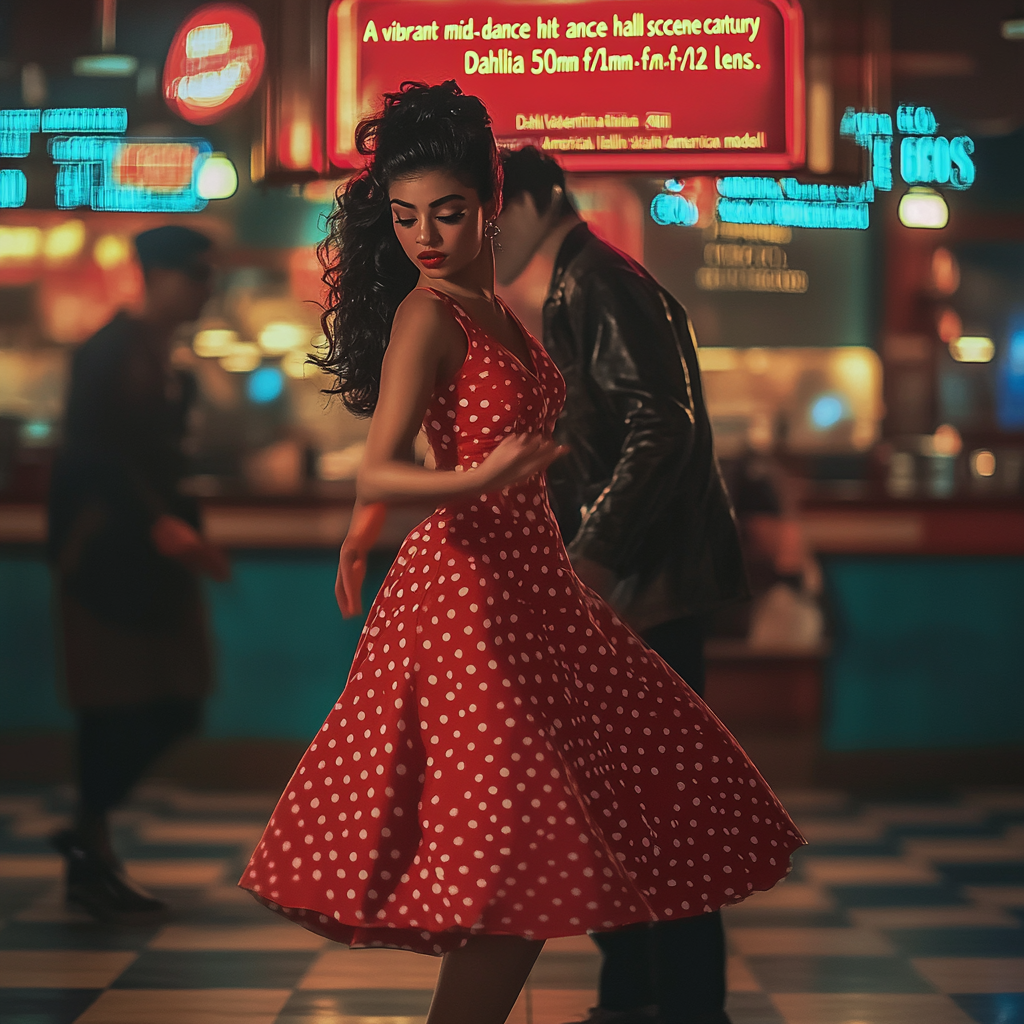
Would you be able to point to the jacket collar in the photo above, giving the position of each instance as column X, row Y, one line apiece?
column 570, row 248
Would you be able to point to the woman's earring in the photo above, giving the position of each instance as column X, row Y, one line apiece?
column 491, row 231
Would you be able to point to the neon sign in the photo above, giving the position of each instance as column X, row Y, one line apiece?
column 600, row 86
column 13, row 188
column 214, row 63
column 100, row 169
column 669, row 207
column 924, row 158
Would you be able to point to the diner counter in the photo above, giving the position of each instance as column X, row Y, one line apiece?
column 320, row 520
column 924, row 602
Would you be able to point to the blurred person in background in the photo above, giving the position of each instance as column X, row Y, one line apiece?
column 642, row 509
column 127, row 552
column 784, row 611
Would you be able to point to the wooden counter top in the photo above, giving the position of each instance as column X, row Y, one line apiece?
column 863, row 527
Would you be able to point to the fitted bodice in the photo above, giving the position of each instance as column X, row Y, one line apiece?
column 493, row 394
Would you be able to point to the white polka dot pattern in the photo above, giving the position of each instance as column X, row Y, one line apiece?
column 507, row 757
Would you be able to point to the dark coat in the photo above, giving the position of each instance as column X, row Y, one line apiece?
column 124, row 606
column 641, row 491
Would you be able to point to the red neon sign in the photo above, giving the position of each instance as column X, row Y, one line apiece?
column 214, row 63
column 652, row 85
column 159, row 166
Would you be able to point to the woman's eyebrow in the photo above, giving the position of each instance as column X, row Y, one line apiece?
column 445, row 199
column 408, row 206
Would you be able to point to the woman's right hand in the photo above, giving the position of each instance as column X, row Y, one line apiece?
column 516, row 458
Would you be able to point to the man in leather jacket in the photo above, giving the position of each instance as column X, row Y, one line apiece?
column 643, row 511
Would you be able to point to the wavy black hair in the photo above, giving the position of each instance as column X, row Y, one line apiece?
column 420, row 128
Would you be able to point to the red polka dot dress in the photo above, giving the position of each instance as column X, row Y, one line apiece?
column 507, row 757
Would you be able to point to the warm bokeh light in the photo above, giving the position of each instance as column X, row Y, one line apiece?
column 946, row 440
column 945, row 271
column 112, row 251
column 64, row 242
column 215, row 342
column 949, row 325
column 218, row 178
column 972, row 348
column 296, row 365
column 20, row 244
column 923, row 207
column 983, row 463
column 279, row 337
column 242, row 358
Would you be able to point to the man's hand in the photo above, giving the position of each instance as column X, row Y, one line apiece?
column 599, row 578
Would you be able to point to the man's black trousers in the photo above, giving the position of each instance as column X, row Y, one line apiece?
column 677, row 966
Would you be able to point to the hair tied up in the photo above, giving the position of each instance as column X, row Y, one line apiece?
column 418, row 128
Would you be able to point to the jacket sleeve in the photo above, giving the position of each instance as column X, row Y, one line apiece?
column 630, row 332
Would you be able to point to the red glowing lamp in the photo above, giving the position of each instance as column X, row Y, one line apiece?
column 214, row 63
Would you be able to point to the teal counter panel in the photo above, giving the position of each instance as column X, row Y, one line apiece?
column 928, row 652
column 29, row 699
column 282, row 649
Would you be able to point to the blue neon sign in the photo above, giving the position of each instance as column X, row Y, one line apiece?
column 925, row 158
column 98, row 166
column 13, row 188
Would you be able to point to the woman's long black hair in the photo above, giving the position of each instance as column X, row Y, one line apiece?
column 421, row 127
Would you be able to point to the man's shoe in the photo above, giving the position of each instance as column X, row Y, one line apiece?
column 101, row 890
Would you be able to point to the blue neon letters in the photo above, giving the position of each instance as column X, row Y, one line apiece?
column 90, row 161
column 925, row 158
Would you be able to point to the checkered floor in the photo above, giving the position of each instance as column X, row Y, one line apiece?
column 897, row 913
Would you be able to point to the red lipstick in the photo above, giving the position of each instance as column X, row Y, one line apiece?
column 431, row 258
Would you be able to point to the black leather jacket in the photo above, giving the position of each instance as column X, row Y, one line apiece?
column 641, row 491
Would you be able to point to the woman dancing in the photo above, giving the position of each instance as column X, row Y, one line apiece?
column 508, row 762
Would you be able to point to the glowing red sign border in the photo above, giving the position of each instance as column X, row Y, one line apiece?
column 244, row 23
column 343, row 111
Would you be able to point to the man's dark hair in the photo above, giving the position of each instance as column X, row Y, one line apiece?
column 529, row 170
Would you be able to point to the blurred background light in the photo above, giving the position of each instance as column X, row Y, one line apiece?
column 218, row 178
column 1012, row 29
column 983, row 463
column 215, row 62
column 64, row 242
column 671, row 208
column 946, row 440
column 85, row 119
column 923, row 207
column 826, row 411
column 296, row 365
column 213, row 343
column 945, row 271
column 105, row 65
column 972, row 348
column 35, row 431
column 280, row 336
column 19, row 243
column 13, row 188
column 112, row 251
column 949, row 325
column 265, row 384
column 243, row 357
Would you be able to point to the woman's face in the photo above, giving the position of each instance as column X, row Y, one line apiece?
column 439, row 221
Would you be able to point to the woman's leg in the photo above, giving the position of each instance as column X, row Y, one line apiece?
column 480, row 982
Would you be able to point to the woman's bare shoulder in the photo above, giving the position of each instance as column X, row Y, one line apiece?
column 424, row 319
